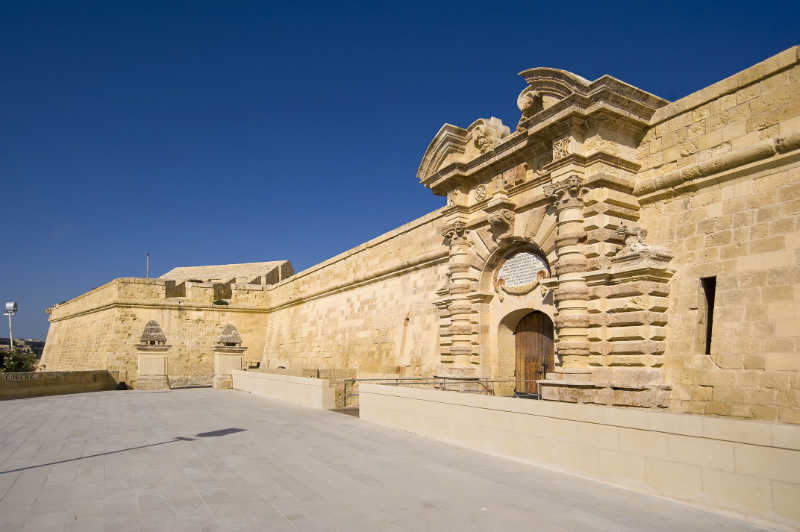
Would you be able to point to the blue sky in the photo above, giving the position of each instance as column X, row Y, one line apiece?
column 220, row 132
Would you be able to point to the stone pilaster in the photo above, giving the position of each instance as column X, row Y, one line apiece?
column 571, row 295
column 629, row 303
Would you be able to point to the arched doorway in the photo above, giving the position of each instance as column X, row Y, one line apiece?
column 533, row 338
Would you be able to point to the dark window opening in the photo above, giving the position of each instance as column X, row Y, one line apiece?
column 709, row 285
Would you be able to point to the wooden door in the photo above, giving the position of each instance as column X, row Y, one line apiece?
column 534, row 344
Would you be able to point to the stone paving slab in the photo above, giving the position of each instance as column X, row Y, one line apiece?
column 208, row 460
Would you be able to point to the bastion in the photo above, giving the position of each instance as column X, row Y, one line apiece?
column 612, row 247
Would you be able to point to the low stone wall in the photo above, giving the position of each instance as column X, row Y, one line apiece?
column 303, row 391
column 29, row 384
column 751, row 468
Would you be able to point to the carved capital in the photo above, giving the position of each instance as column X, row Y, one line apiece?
column 566, row 193
column 455, row 234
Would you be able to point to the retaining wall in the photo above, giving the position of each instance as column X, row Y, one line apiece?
column 303, row 391
column 29, row 384
column 751, row 468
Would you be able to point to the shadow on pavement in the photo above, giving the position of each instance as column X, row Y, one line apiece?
column 221, row 432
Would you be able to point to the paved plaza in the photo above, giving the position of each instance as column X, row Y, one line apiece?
column 203, row 459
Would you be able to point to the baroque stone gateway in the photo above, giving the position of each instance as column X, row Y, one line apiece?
column 614, row 248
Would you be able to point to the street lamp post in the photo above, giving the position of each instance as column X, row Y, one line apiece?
column 11, row 309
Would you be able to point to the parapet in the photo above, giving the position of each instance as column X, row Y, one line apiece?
column 260, row 273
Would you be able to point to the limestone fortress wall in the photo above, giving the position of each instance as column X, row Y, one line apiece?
column 101, row 329
column 610, row 223
column 370, row 308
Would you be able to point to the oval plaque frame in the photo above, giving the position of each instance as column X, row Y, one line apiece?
column 540, row 271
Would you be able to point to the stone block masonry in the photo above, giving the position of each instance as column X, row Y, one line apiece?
column 32, row 384
column 656, row 242
column 751, row 468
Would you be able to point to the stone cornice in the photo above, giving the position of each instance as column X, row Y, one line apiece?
column 656, row 186
column 166, row 304
column 612, row 102
column 540, row 131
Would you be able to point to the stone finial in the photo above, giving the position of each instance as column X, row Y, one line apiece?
column 153, row 335
column 229, row 336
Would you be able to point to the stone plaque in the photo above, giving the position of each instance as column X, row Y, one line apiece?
column 522, row 269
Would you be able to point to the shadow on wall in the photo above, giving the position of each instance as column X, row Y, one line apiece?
column 213, row 433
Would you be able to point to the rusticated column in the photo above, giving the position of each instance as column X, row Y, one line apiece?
column 458, row 317
column 572, row 295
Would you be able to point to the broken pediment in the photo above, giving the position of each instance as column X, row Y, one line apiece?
column 559, row 111
column 547, row 87
column 453, row 144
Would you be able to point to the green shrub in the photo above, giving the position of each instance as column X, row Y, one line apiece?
column 16, row 360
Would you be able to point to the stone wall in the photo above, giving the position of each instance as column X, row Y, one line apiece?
column 720, row 188
column 101, row 331
column 624, row 199
column 751, row 468
column 30, row 384
column 369, row 309
column 304, row 391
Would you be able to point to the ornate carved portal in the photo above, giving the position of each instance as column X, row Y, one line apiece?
column 591, row 265
column 560, row 184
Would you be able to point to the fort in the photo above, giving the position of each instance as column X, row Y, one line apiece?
column 612, row 247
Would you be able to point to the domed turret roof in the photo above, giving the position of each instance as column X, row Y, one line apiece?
column 153, row 333
column 229, row 336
